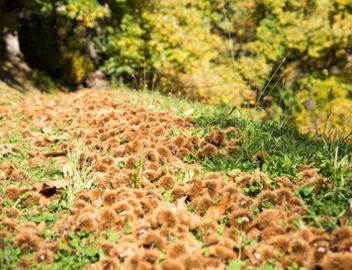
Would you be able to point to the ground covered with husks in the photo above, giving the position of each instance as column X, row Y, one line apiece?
column 91, row 180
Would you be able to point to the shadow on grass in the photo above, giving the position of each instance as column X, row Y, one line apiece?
column 17, row 75
column 14, row 75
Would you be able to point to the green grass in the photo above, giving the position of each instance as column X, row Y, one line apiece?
column 155, row 101
column 287, row 149
column 80, row 173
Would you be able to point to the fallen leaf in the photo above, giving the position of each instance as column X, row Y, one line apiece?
column 49, row 188
column 44, row 201
column 126, row 250
column 3, row 113
column 52, row 138
column 215, row 212
column 5, row 150
column 55, row 154
column 3, row 134
column 3, row 110
column 346, row 217
column 37, row 161
column 146, row 183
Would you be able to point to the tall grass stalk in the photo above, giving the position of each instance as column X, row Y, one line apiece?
column 81, row 172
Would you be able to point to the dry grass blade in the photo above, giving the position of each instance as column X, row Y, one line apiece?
column 80, row 172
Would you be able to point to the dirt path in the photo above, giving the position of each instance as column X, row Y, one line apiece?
column 116, row 185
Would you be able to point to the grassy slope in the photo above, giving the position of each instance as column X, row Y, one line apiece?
column 287, row 151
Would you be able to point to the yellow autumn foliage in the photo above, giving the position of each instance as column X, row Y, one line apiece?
column 327, row 107
column 276, row 55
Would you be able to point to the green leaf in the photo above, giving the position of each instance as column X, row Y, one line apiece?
column 64, row 247
column 235, row 264
column 127, row 229
column 121, row 165
column 299, row 224
column 306, row 190
column 221, row 228
column 113, row 236
column 91, row 251
column 167, row 196
column 269, row 266
column 74, row 243
column 162, row 257
column 23, row 197
column 205, row 251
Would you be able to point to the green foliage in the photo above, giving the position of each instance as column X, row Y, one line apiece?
column 322, row 106
column 236, row 264
column 77, row 251
column 76, row 66
column 124, row 48
column 301, row 47
column 43, row 81
column 55, row 35
column 275, row 54
column 287, row 151
column 169, row 46
column 282, row 54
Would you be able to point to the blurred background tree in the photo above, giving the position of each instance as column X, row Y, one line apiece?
column 291, row 58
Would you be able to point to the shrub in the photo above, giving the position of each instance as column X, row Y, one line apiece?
column 171, row 46
column 276, row 54
column 292, row 51
column 324, row 106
